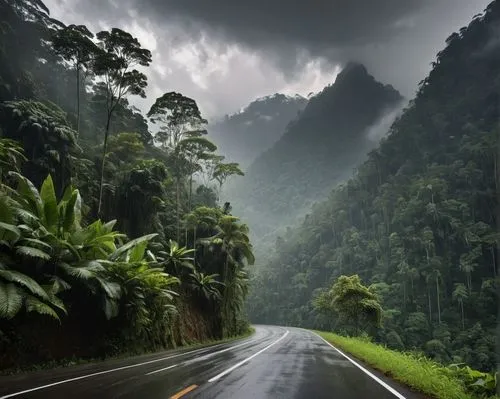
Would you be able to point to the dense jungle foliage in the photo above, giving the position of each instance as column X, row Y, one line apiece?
column 417, row 223
column 244, row 135
column 318, row 149
column 109, row 240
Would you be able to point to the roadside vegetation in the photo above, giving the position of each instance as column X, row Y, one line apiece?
column 456, row 381
column 113, row 238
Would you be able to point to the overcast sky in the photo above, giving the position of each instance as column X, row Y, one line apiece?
column 225, row 53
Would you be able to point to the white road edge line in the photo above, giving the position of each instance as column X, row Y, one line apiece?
column 11, row 395
column 386, row 386
column 213, row 379
column 163, row 369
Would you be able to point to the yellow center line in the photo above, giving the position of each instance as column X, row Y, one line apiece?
column 184, row 391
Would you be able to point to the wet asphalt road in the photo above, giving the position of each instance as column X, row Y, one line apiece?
column 276, row 362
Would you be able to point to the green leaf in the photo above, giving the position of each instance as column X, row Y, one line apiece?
column 35, row 241
column 59, row 285
column 85, row 271
column 72, row 212
column 35, row 305
column 137, row 252
column 27, row 190
column 9, row 232
column 24, row 280
column 48, row 196
column 113, row 290
column 124, row 248
column 32, row 252
column 11, row 300
column 111, row 308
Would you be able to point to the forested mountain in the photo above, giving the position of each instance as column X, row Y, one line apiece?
column 245, row 135
column 108, row 240
column 317, row 150
column 418, row 222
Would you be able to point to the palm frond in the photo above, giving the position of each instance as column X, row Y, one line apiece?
column 11, row 300
column 32, row 252
column 35, row 305
column 25, row 281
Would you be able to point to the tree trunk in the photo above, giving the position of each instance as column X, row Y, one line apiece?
column 77, row 100
column 178, row 208
column 103, row 161
column 438, row 303
column 493, row 261
column 194, row 247
column 190, row 192
column 430, row 307
column 462, row 308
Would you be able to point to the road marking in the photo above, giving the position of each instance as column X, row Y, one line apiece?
column 11, row 395
column 163, row 369
column 184, row 391
column 386, row 386
column 247, row 359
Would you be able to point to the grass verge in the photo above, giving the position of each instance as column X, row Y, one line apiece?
column 419, row 373
column 56, row 364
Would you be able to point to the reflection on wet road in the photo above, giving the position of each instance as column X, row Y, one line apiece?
column 276, row 362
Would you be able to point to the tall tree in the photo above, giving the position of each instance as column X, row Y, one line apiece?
column 74, row 44
column 181, row 128
column 115, row 64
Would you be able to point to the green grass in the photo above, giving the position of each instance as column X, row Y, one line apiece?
column 417, row 372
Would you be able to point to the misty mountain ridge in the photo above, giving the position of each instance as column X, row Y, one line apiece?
column 242, row 136
column 318, row 149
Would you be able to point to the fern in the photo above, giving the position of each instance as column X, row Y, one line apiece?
column 86, row 271
column 32, row 252
column 25, row 281
column 35, row 305
column 11, row 300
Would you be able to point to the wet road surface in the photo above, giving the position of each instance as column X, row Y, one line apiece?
column 276, row 362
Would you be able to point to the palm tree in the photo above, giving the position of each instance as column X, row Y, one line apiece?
column 176, row 259
column 206, row 285
column 232, row 238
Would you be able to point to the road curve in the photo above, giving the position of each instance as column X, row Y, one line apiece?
column 276, row 362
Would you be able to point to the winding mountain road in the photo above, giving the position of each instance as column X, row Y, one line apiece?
column 276, row 362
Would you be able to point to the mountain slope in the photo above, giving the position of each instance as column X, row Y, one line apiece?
column 419, row 220
column 317, row 150
column 241, row 137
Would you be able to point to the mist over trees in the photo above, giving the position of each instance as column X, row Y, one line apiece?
column 417, row 224
column 244, row 135
column 318, row 149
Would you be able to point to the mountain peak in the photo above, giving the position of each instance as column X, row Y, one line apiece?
column 353, row 70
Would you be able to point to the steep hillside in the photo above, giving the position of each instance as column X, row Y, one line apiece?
column 244, row 135
column 317, row 150
column 419, row 221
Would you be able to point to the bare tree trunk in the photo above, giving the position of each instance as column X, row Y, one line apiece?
column 103, row 161
column 194, row 247
column 77, row 100
column 178, row 207
column 462, row 308
column 438, row 303
column 430, row 306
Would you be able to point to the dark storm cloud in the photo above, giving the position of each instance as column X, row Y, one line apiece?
column 396, row 39
column 276, row 41
column 316, row 23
